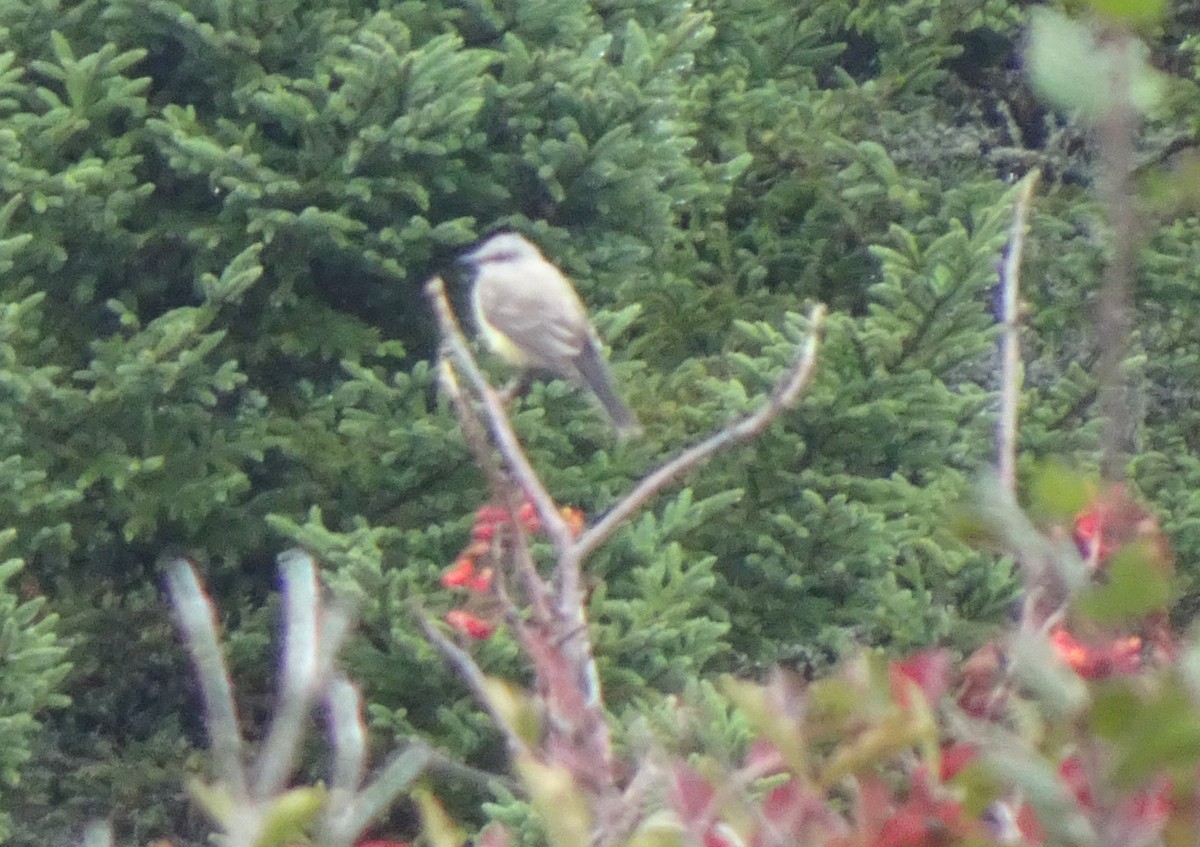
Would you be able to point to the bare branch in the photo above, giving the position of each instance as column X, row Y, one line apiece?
column 396, row 777
column 503, row 489
column 577, row 730
column 347, row 819
column 313, row 635
column 347, row 735
column 441, row 763
column 339, row 822
column 571, row 599
column 502, row 432
column 298, row 674
column 197, row 619
column 475, row 679
column 787, row 391
column 1010, row 368
column 476, row 437
column 1116, row 162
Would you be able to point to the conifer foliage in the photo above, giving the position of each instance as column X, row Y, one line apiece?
column 215, row 223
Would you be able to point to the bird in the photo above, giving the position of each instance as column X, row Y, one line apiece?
column 531, row 316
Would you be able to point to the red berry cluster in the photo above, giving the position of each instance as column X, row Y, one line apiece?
column 1098, row 661
column 474, row 570
column 1111, row 523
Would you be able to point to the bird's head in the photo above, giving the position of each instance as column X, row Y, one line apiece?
column 505, row 247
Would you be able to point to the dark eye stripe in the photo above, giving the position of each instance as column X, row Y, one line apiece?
column 497, row 257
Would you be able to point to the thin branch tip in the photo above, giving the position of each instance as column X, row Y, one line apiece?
column 786, row 392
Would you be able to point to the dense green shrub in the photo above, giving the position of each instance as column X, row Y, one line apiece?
column 216, row 221
column 31, row 671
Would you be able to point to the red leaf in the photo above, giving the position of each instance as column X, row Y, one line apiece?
column 483, row 531
column 691, row 795
column 494, row 835
column 1071, row 772
column 955, row 757
column 982, row 676
column 930, row 670
column 470, row 625
column 459, row 574
column 1154, row 804
column 481, row 582
column 906, row 828
column 574, row 520
column 528, row 517
column 1098, row 661
column 1113, row 520
column 765, row 758
column 491, row 514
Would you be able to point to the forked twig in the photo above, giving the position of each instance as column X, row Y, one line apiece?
column 786, row 392
column 558, row 645
column 245, row 807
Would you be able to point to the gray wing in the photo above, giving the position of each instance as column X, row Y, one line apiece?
column 539, row 313
column 596, row 374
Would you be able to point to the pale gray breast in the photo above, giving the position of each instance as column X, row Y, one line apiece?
column 537, row 308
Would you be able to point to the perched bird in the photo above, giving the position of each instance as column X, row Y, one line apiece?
column 530, row 314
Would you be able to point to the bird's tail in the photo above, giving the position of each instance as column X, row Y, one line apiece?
column 596, row 374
